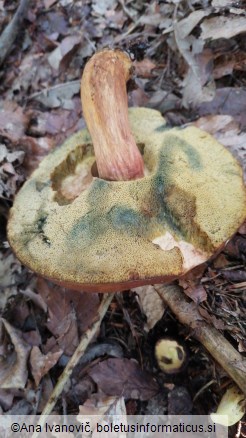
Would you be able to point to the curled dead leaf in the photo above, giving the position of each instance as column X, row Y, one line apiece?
column 151, row 303
column 41, row 363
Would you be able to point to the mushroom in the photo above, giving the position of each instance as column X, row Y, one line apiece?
column 171, row 355
column 164, row 199
column 231, row 407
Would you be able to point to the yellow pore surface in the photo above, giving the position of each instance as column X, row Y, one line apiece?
column 94, row 234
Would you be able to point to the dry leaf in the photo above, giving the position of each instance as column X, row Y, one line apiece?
column 41, row 364
column 6, row 398
column 13, row 121
column 187, row 24
column 144, row 68
column 198, row 83
column 231, row 101
column 48, row 3
column 217, row 323
column 59, row 57
column 101, row 8
column 152, row 305
column 123, row 377
column 223, row 27
column 198, row 294
column 35, row 298
column 14, row 354
column 101, row 405
column 59, row 95
column 70, row 313
column 97, row 407
column 222, row 3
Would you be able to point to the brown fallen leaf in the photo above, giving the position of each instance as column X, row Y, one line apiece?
column 230, row 101
column 60, row 57
column 198, row 84
column 48, row 3
column 70, row 313
column 100, row 405
column 97, row 407
column 35, row 150
column 124, row 377
column 14, row 354
column 217, row 323
column 187, row 24
column 198, row 294
column 152, row 305
column 226, row 26
column 58, row 96
column 222, row 3
column 223, row 68
column 13, row 121
column 41, row 363
column 6, row 398
column 221, row 261
column 143, row 69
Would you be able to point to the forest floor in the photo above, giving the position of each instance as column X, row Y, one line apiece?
column 190, row 64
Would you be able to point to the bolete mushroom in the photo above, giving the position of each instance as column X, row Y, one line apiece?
column 166, row 199
column 171, row 355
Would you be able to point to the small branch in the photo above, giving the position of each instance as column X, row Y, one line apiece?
column 219, row 348
column 85, row 340
column 11, row 31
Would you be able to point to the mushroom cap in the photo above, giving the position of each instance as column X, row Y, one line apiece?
column 171, row 355
column 96, row 235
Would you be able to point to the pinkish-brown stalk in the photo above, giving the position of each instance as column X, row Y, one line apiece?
column 105, row 109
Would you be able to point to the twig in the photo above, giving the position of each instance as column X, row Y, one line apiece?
column 11, row 31
column 221, row 350
column 84, row 342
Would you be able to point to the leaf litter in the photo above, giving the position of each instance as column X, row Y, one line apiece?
column 193, row 72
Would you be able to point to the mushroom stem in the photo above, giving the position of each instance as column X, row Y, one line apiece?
column 105, row 109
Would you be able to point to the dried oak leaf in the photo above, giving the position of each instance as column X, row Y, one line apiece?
column 124, row 377
column 13, row 357
column 41, row 363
